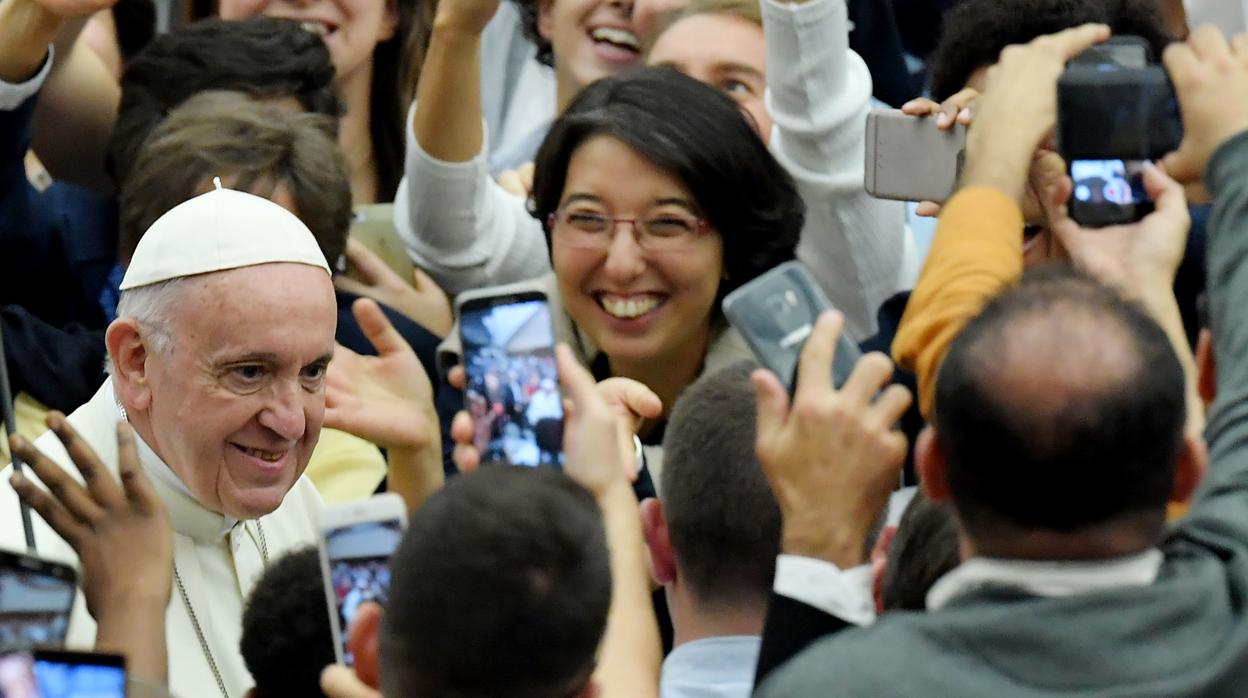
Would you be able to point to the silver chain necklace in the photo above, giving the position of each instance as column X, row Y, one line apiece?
column 199, row 630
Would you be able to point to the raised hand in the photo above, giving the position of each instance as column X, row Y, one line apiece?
column 953, row 111
column 119, row 530
column 421, row 300
column 833, row 456
column 1211, row 78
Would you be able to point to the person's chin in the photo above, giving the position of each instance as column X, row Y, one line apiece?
column 254, row 502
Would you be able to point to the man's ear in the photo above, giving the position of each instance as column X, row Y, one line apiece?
column 929, row 460
column 1206, row 369
column 128, row 352
column 546, row 18
column 1190, row 469
column 364, row 640
column 658, row 541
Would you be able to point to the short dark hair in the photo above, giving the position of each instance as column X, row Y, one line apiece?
column 976, row 31
column 702, row 138
column 1060, row 407
column 286, row 639
column 530, row 11
column 501, row 588
column 264, row 57
column 229, row 134
column 925, row 547
column 722, row 516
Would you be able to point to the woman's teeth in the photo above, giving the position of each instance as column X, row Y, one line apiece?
column 316, row 28
column 628, row 308
column 619, row 37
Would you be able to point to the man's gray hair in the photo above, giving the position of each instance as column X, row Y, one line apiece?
column 153, row 306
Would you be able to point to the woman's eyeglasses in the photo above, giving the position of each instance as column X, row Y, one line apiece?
column 594, row 231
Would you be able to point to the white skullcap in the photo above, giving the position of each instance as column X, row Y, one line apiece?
column 223, row 229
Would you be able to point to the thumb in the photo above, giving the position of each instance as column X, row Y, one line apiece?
column 365, row 262
column 578, row 385
column 1181, row 166
column 337, row 681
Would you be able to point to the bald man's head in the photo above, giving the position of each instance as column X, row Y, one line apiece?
column 1061, row 407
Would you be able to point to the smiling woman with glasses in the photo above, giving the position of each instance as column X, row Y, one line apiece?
column 658, row 198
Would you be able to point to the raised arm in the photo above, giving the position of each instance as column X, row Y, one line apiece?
column 978, row 245
column 819, row 94
column 455, row 221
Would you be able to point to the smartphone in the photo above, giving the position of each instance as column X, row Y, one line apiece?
column 776, row 312
column 909, row 159
column 49, row 673
column 36, row 596
column 1108, row 192
column 512, row 388
column 357, row 540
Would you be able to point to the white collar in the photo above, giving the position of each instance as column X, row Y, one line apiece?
column 187, row 515
column 1049, row 579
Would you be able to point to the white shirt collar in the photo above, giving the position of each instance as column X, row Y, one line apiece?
column 1049, row 579
column 187, row 515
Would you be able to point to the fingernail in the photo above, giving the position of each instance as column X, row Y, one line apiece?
column 17, row 480
column 965, row 114
column 943, row 119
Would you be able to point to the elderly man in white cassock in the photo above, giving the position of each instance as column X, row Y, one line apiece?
column 218, row 360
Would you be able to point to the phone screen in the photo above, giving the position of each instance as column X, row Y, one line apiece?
column 53, row 674
column 512, row 389
column 359, row 568
column 1108, row 192
column 34, row 604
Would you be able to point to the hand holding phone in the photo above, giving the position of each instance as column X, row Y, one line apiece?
column 357, row 540
column 776, row 313
column 910, row 159
column 511, row 386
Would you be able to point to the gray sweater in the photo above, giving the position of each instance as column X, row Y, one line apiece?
column 1184, row 635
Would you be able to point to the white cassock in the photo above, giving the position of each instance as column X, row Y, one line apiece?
column 217, row 558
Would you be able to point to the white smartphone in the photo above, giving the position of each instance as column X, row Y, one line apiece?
column 357, row 540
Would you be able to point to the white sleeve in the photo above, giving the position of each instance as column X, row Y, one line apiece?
column 845, row 594
column 461, row 227
column 12, row 95
column 819, row 94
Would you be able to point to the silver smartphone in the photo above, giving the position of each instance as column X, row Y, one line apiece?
column 909, row 159
column 357, row 540
column 776, row 312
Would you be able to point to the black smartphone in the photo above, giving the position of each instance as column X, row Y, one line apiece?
column 36, row 597
column 1108, row 192
column 776, row 312
column 512, row 389
column 49, row 673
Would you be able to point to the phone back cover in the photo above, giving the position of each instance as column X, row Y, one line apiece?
column 909, row 159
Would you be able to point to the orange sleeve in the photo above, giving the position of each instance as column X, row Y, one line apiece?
column 977, row 251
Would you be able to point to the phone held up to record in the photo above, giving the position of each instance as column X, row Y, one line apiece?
column 909, row 159
column 36, row 597
column 357, row 540
column 776, row 312
column 512, row 388
column 49, row 673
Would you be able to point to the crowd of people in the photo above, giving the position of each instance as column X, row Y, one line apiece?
column 232, row 246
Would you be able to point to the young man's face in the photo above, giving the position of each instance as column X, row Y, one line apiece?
column 591, row 39
column 726, row 52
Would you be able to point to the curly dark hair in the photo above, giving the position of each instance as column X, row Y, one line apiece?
column 976, row 31
column 529, row 10
column 286, row 638
column 699, row 135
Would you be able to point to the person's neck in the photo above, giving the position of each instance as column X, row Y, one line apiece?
column 667, row 376
column 355, row 134
column 692, row 621
column 1091, row 544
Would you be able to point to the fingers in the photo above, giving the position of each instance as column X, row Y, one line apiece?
column 377, row 327
column 66, row 503
column 920, row 106
column 364, row 262
column 337, row 681
column 457, row 377
column 927, row 209
column 510, row 182
column 1209, row 44
column 871, row 373
column 100, row 485
column 773, row 403
column 814, row 369
column 465, row 454
column 138, row 489
column 577, row 382
column 1169, row 197
column 892, row 404
column 631, row 397
column 343, row 282
column 1074, row 41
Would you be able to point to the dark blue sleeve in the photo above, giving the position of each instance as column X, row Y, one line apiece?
column 61, row 367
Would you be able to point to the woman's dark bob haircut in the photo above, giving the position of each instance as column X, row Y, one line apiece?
column 700, row 136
